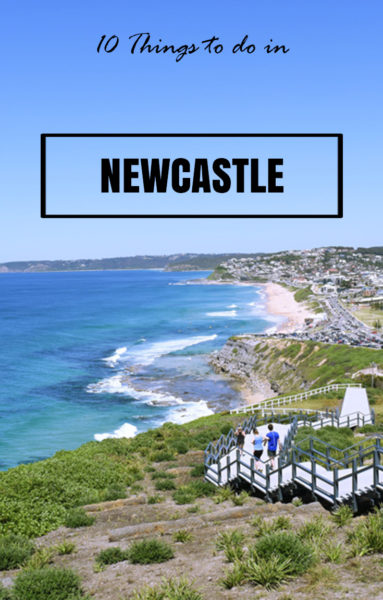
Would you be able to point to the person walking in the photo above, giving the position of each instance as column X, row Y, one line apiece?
column 240, row 435
column 272, row 439
column 258, row 449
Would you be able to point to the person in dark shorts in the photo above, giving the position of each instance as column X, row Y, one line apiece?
column 273, row 441
column 240, row 435
column 258, row 449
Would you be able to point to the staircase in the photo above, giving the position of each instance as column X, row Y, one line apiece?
column 315, row 468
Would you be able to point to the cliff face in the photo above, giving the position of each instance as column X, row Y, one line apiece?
column 264, row 366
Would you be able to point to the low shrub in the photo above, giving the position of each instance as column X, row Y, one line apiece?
column 202, row 488
column 182, row 536
column 162, row 475
column 161, row 456
column 232, row 544
column 77, row 517
column 232, row 537
column 343, row 515
column 333, row 552
column 198, row 470
column 41, row 558
column 240, row 499
column 264, row 527
column 47, row 584
column 149, row 469
column 110, row 556
column 183, row 495
column 222, row 495
column 114, row 493
column 149, row 551
column 367, row 537
column 5, row 593
column 165, row 484
column 315, row 530
column 268, row 572
column 66, row 548
column 234, row 576
column 135, row 487
column 155, row 499
column 286, row 546
column 15, row 550
column 170, row 589
column 180, row 446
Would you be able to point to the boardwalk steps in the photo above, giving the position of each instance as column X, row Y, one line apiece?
column 323, row 472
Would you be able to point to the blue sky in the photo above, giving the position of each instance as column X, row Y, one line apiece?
column 54, row 81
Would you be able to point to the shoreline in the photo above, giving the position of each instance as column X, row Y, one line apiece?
column 280, row 302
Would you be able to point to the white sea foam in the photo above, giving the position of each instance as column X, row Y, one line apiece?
column 125, row 431
column 233, row 306
column 112, row 360
column 148, row 354
column 189, row 412
column 119, row 384
column 222, row 313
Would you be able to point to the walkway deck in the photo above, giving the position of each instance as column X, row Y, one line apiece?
column 355, row 472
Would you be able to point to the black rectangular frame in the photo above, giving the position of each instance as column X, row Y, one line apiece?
column 338, row 215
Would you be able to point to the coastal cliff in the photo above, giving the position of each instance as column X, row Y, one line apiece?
column 262, row 365
column 266, row 367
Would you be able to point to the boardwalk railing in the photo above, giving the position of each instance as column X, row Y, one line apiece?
column 333, row 474
column 284, row 400
column 343, row 479
column 225, row 443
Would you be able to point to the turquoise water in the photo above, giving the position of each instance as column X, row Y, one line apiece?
column 111, row 353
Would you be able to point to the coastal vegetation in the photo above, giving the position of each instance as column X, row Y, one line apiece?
column 264, row 551
column 75, row 499
column 289, row 365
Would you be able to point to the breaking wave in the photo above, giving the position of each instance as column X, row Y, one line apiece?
column 125, row 431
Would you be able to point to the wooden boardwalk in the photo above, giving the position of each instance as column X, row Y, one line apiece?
column 327, row 473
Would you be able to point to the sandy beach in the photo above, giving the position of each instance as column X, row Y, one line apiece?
column 281, row 302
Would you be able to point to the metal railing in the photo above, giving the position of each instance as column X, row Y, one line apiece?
column 284, row 400
column 310, row 463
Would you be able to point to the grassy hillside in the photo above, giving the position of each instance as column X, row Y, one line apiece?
column 36, row 498
column 155, row 519
column 293, row 365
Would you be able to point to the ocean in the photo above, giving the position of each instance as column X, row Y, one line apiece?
column 89, row 355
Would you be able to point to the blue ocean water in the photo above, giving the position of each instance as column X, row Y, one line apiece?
column 111, row 353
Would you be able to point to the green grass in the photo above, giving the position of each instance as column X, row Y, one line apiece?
column 165, row 484
column 66, row 547
column 286, row 546
column 182, row 536
column 186, row 494
column 149, row 551
column 316, row 362
column 162, row 475
column 77, row 517
column 302, row 294
column 169, row 589
column 47, row 584
column 156, row 499
column 367, row 537
column 15, row 550
column 36, row 498
column 110, row 556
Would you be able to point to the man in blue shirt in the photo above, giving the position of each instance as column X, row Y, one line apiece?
column 272, row 438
